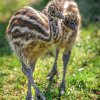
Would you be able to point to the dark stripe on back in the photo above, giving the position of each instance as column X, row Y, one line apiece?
column 32, row 15
column 26, row 36
column 31, row 26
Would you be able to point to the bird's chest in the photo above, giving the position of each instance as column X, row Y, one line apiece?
column 35, row 50
column 66, row 39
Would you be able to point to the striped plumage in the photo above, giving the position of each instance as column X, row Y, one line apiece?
column 28, row 31
column 24, row 30
column 30, row 34
column 72, row 15
column 68, row 28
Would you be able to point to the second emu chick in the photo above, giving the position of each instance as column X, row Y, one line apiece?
column 68, row 28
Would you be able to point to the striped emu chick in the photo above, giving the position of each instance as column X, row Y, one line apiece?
column 30, row 34
column 68, row 28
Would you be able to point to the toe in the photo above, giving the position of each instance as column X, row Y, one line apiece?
column 62, row 91
column 30, row 98
column 39, row 95
column 49, row 76
column 62, row 88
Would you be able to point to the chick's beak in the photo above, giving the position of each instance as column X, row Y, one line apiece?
column 73, row 27
column 61, row 16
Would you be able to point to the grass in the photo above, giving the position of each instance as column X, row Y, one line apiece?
column 83, row 74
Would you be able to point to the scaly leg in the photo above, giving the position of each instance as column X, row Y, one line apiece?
column 54, row 68
column 66, row 57
column 28, row 73
column 29, row 92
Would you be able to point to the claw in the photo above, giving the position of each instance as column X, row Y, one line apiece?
column 62, row 91
column 62, row 88
column 52, row 74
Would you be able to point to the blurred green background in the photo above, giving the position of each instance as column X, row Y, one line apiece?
column 83, row 75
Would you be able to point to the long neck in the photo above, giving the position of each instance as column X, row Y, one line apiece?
column 54, row 30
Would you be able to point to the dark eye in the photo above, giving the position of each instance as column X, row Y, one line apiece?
column 71, row 20
column 53, row 11
column 73, row 23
